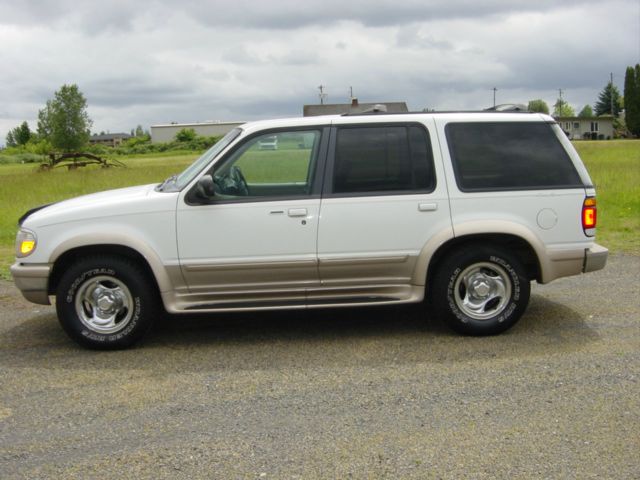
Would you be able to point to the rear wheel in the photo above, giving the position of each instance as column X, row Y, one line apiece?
column 105, row 302
column 480, row 290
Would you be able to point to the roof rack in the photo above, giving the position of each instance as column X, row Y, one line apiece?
column 505, row 108
column 376, row 109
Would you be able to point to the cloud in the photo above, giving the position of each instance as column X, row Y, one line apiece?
column 122, row 15
column 167, row 61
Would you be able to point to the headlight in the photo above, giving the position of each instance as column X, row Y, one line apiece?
column 25, row 243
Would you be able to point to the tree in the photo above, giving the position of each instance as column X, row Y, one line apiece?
column 604, row 104
column 44, row 121
column 22, row 134
column 19, row 135
column 139, row 131
column 563, row 109
column 632, row 99
column 538, row 106
column 64, row 120
column 11, row 141
column 586, row 112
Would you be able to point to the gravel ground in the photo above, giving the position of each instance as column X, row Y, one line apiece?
column 359, row 393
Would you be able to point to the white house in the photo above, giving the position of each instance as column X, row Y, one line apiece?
column 587, row 128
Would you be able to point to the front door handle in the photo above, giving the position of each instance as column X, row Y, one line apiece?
column 297, row 212
column 427, row 207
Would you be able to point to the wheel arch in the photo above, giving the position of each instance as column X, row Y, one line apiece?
column 514, row 244
column 66, row 258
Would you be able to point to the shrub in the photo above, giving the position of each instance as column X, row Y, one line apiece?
column 186, row 135
column 27, row 157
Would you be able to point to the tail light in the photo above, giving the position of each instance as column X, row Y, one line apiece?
column 589, row 216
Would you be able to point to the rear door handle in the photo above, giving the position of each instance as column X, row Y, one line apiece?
column 427, row 207
column 297, row 212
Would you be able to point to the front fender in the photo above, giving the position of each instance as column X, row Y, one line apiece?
column 133, row 242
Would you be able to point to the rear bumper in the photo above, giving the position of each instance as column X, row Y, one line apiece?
column 595, row 258
column 32, row 281
column 565, row 262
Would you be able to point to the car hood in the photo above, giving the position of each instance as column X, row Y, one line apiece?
column 121, row 201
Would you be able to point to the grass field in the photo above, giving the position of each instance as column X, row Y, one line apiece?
column 614, row 167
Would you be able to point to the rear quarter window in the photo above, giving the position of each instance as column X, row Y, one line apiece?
column 509, row 156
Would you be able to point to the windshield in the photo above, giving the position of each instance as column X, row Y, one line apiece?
column 178, row 182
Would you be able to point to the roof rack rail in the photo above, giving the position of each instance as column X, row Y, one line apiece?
column 504, row 108
column 377, row 108
column 507, row 107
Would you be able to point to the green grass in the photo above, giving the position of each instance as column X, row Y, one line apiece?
column 614, row 167
column 293, row 164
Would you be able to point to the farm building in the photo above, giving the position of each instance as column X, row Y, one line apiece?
column 109, row 139
column 167, row 132
column 353, row 107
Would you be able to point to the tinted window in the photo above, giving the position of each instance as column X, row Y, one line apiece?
column 498, row 156
column 380, row 159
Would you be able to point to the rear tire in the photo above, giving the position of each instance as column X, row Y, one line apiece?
column 106, row 302
column 480, row 290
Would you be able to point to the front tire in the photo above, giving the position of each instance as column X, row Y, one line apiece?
column 480, row 290
column 105, row 303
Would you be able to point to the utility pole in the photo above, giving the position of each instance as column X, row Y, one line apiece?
column 322, row 95
column 560, row 103
column 494, row 96
column 611, row 92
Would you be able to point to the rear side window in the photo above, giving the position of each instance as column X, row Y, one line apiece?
column 509, row 156
column 383, row 159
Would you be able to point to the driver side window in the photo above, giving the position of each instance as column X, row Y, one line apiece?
column 279, row 164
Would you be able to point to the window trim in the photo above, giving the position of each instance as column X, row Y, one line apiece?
column 327, row 190
column 316, row 187
column 458, row 176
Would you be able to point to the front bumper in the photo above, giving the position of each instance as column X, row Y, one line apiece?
column 595, row 258
column 32, row 281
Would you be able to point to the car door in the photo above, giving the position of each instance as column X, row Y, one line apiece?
column 383, row 200
column 250, row 239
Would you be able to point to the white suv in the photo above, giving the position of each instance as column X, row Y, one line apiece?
column 463, row 208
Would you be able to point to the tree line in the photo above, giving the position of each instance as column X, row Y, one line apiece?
column 64, row 124
column 609, row 102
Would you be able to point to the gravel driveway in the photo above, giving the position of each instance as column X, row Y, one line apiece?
column 360, row 393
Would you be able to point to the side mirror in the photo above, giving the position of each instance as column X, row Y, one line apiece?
column 205, row 187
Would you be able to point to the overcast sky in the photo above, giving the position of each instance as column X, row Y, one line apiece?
column 158, row 61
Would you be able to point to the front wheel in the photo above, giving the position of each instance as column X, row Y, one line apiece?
column 105, row 303
column 480, row 291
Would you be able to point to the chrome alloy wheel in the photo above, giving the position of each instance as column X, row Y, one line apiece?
column 482, row 290
column 104, row 304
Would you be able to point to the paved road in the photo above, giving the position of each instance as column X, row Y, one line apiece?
column 366, row 393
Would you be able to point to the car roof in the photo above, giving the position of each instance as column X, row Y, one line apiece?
column 383, row 117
